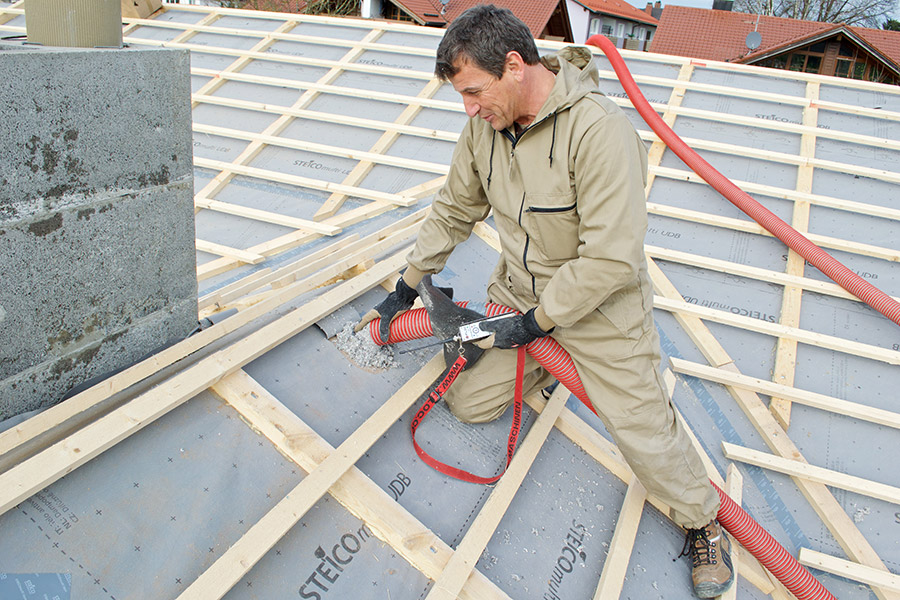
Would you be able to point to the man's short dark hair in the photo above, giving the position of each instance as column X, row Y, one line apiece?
column 484, row 34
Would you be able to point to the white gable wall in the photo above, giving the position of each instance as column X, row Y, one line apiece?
column 586, row 23
column 579, row 19
column 371, row 9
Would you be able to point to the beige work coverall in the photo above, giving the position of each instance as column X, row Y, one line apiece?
column 568, row 202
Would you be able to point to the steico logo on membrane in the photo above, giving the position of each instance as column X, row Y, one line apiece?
column 572, row 551
column 38, row 585
column 332, row 563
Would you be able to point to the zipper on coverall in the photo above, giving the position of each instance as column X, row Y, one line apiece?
column 514, row 140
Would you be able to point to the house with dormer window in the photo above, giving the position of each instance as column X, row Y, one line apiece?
column 834, row 49
column 547, row 19
column 628, row 27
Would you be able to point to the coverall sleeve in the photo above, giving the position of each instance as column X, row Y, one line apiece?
column 459, row 204
column 610, row 175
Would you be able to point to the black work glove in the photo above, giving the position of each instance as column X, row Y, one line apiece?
column 512, row 332
column 397, row 302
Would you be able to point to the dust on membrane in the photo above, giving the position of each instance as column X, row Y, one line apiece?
column 360, row 349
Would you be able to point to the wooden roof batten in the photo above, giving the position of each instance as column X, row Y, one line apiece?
column 257, row 292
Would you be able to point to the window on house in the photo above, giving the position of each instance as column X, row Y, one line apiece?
column 777, row 62
column 874, row 73
column 856, row 66
column 806, row 63
column 595, row 26
column 842, row 68
column 818, row 48
column 813, row 63
column 847, row 49
column 607, row 30
column 393, row 12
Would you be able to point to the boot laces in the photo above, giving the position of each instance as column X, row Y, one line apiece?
column 700, row 547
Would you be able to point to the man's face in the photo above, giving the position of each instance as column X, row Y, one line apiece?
column 492, row 99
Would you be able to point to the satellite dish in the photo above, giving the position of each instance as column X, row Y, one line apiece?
column 753, row 40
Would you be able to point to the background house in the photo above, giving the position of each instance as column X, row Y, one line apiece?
column 547, row 19
column 807, row 46
column 557, row 20
column 627, row 26
column 560, row 20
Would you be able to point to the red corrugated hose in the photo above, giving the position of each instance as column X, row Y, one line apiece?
column 823, row 261
column 414, row 324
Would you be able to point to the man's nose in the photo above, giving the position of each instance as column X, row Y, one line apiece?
column 471, row 106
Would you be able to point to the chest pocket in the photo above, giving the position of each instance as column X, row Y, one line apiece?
column 554, row 221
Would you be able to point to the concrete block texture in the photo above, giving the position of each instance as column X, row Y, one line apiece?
column 96, row 216
column 79, row 122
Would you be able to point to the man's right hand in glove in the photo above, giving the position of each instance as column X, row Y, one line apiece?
column 397, row 302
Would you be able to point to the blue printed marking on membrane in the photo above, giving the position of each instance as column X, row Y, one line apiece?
column 780, row 511
column 38, row 585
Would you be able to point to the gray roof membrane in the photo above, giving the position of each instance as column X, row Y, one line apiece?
column 148, row 516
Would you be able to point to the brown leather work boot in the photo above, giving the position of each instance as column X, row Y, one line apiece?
column 709, row 550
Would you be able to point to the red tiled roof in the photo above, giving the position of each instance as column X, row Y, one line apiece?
column 824, row 30
column 534, row 13
column 618, row 8
column 888, row 42
column 424, row 10
column 720, row 35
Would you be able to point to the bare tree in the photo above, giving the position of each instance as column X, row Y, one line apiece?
column 865, row 13
column 311, row 7
column 756, row 7
column 332, row 7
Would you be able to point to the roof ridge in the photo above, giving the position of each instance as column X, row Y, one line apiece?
column 628, row 10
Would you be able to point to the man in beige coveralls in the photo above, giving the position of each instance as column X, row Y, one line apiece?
column 564, row 172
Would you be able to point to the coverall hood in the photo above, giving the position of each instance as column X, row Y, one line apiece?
column 576, row 76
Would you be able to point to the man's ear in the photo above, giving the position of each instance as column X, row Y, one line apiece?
column 514, row 64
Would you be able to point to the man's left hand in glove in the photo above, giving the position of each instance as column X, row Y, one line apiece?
column 516, row 331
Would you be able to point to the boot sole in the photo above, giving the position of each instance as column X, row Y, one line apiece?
column 712, row 590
